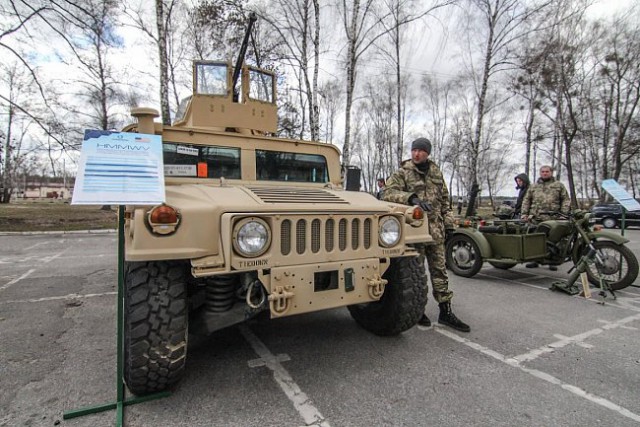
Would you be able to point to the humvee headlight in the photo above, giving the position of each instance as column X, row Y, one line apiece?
column 251, row 237
column 389, row 231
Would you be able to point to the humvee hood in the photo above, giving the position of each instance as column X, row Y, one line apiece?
column 262, row 198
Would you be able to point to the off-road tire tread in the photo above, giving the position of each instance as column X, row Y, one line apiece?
column 156, row 325
column 402, row 303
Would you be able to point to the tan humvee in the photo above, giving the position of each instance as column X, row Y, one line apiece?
column 254, row 223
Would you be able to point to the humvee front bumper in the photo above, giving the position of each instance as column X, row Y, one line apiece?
column 312, row 287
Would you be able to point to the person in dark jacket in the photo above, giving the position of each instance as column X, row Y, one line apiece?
column 381, row 184
column 522, row 184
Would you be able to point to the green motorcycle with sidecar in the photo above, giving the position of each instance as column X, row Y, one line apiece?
column 506, row 243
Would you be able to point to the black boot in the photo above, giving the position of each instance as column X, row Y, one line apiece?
column 424, row 320
column 448, row 318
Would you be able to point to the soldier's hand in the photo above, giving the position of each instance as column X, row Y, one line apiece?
column 524, row 217
column 424, row 205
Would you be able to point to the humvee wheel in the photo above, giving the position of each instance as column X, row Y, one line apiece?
column 155, row 325
column 402, row 303
column 503, row 265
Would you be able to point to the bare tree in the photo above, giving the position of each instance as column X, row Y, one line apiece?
column 565, row 73
column 160, row 35
column 398, row 13
column 437, row 98
column 90, row 42
column 619, row 69
column 297, row 24
column 22, row 22
column 16, row 83
column 363, row 25
column 330, row 102
column 504, row 23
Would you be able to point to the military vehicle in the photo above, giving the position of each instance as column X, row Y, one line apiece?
column 255, row 224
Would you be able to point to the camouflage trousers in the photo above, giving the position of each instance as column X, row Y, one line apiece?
column 435, row 257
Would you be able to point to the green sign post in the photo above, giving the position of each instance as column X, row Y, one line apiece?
column 109, row 174
column 621, row 195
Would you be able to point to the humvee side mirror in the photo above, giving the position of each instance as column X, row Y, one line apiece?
column 353, row 178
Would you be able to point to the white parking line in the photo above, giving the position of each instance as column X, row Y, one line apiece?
column 34, row 246
column 47, row 260
column 542, row 287
column 14, row 281
column 301, row 401
column 576, row 339
column 543, row 375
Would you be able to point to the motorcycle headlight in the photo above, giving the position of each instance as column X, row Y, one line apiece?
column 389, row 231
column 251, row 237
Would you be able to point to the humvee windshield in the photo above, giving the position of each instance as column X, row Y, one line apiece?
column 201, row 161
column 194, row 161
column 281, row 166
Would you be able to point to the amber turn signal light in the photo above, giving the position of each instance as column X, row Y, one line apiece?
column 163, row 215
column 417, row 214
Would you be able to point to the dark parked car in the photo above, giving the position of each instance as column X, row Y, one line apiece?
column 610, row 215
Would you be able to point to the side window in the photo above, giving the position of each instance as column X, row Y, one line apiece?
column 211, row 79
column 193, row 161
column 260, row 86
column 295, row 167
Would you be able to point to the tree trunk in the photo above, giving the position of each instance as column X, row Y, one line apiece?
column 315, row 113
column 475, row 143
column 351, row 71
column 164, row 72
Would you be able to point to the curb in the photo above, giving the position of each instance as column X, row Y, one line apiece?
column 29, row 233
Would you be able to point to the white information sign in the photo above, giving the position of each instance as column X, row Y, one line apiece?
column 612, row 187
column 119, row 168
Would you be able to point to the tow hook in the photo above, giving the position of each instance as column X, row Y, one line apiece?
column 279, row 300
column 376, row 286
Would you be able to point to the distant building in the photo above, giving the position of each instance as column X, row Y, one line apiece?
column 45, row 189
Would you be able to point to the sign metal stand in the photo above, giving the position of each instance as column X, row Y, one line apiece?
column 120, row 402
column 119, row 168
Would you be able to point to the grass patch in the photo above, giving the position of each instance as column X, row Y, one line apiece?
column 55, row 215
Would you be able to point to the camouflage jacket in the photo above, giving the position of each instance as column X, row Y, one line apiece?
column 550, row 196
column 409, row 180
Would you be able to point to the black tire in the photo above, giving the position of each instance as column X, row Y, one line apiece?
column 609, row 222
column 402, row 303
column 155, row 325
column 503, row 265
column 620, row 267
column 463, row 256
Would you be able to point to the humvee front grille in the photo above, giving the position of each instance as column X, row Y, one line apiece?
column 285, row 237
column 296, row 195
column 317, row 234
column 301, row 236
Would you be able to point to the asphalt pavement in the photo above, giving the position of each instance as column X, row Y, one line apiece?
column 533, row 358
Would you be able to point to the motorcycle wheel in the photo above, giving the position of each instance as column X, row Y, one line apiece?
column 502, row 265
column 619, row 268
column 463, row 256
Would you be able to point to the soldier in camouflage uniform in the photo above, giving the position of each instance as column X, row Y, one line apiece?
column 420, row 182
column 547, row 195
